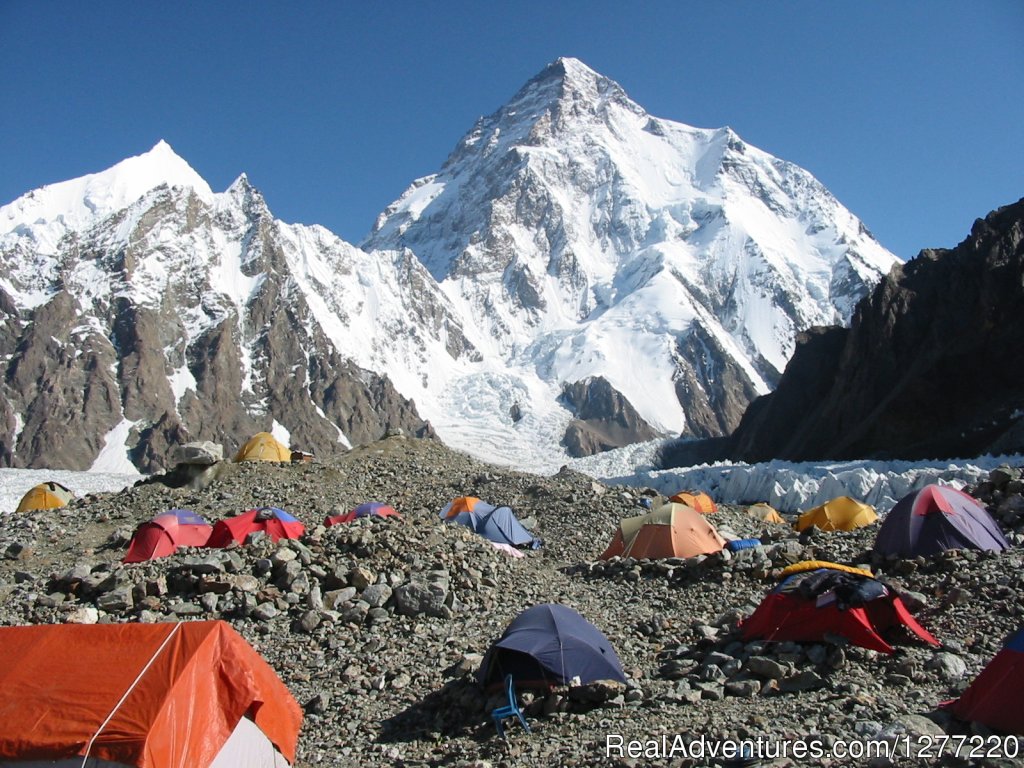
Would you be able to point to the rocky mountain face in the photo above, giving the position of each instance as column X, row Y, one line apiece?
column 603, row 418
column 591, row 239
column 572, row 248
column 180, row 316
column 930, row 367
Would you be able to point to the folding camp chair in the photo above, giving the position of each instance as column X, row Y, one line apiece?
column 510, row 710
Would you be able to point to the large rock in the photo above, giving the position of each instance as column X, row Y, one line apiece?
column 202, row 452
column 604, row 418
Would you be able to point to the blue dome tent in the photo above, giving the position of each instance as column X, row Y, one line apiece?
column 498, row 524
column 550, row 645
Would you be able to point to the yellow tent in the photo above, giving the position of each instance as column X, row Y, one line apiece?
column 45, row 496
column 765, row 513
column 840, row 514
column 263, row 447
column 673, row 530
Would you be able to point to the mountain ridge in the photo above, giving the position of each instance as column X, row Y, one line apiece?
column 569, row 237
column 927, row 370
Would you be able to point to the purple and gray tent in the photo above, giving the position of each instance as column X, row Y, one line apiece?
column 550, row 645
column 934, row 519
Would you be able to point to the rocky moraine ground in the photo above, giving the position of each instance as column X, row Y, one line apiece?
column 377, row 627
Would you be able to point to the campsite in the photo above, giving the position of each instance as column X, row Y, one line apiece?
column 380, row 627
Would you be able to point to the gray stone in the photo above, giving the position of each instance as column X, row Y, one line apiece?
column 203, row 452
column 376, row 595
column 338, row 597
column 414, row 598
column 115, row 601
column 763, row 666
column 264, row 611
column 187, row 609
column 309, row 621
column 802, row 681
column 949, row 666
column 742, row 689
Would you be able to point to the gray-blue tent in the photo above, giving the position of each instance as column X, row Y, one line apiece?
column 499, row 524
column 550, row 645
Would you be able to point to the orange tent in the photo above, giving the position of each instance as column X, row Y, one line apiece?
column 674, row 530
column 461, row 504
column 695, row 500
column 145, row 695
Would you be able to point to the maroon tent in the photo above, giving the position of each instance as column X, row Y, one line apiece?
column 994, row 698
column 934, row 519
column 809, row 605
column 162, row 535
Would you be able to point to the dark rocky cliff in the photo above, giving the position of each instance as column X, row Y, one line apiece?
column 931, row 367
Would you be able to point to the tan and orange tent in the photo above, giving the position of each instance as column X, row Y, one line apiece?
column 673, row 530
column 263, row 446
column 840, row 514
column 145, row 695
column 766, row 513
column 695, row 500
column 45, row 496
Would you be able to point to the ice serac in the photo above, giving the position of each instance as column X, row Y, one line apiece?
column 929, row 369
column 137, row 306
column 589, row 239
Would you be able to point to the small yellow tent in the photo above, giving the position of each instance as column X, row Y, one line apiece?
column 263, row 447
column 45, row 496
column 765, row 513
column 840, row 514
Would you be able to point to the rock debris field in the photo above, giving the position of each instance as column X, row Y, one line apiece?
column 377, row 627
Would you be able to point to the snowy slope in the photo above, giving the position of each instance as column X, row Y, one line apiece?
column 589, row 238
column 146, row 241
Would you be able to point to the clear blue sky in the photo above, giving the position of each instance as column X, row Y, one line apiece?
column 910, row 112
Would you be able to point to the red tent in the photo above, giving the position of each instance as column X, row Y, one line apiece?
column 274, row 522
column 141, row 695
column 994, row 698
column 162, row 535
column 363, row 510
column 808, row 605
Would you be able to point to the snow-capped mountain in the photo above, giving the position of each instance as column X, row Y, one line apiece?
column 577, row 275
column 139, row 309
column 589, row 239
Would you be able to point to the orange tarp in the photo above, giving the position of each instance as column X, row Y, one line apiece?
column 59, row 684
column 695, row 500
column 674, row 530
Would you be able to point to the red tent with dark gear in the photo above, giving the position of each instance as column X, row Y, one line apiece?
column 274, row 522
column 994, row 698
column 788, row 614
column 162, row 535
